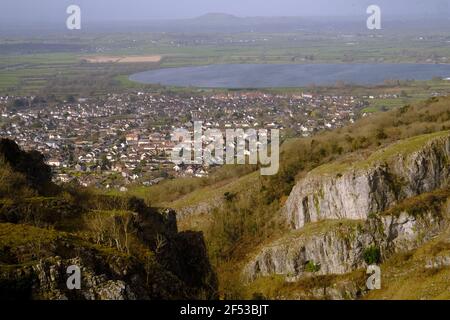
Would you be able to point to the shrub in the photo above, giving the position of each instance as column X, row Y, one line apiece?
column 312, row 267
column 112, row 228
column 229, row 196
column 372, row 255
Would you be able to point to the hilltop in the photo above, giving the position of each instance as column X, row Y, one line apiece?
column 217, row 17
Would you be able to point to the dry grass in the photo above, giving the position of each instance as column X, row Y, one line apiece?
column 405, row 276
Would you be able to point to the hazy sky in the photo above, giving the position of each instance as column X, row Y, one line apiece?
column 20, row 11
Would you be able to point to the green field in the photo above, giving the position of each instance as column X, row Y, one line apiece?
column 65, row 73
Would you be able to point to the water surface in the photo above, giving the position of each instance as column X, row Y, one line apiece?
column 288, row 75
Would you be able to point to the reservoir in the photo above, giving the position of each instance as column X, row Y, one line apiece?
column 235, row 76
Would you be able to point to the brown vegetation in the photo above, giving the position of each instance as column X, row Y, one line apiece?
column 124, row 59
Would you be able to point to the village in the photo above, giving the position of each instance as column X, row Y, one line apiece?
column 118, row 140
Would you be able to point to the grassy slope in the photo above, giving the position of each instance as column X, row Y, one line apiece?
column 216, row 192
column 406, row 277
column 401, row 148
column 29, row 244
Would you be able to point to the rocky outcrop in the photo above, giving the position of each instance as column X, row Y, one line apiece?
column 338, row 247
column 199, row 208
column 103, row 277
column 123, row 248
column 403, row 170
column 329, row 248
column 344, row 216
column 157, row 263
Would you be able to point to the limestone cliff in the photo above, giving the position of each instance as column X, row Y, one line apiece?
column 394, row 201
column 339, row 246
column 354, row 191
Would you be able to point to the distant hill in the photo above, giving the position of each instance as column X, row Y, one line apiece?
column 217, row 17
column 229, row 22
column 223, row 22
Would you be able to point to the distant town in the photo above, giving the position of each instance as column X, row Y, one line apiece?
column 118, row 140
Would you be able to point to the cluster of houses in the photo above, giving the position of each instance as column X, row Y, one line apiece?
column 121, row 139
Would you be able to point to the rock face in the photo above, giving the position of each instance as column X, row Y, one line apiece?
column 176, row 265
column 390, row 202
column 101, row 279
column 392, row 174
column 199, row 208
column 338, row 247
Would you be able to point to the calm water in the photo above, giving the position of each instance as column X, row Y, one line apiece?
column 288, row 75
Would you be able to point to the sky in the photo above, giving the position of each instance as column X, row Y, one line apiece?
column 51, row 11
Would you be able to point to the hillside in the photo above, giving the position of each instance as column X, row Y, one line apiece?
column 125, row 249
column 374, row 191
